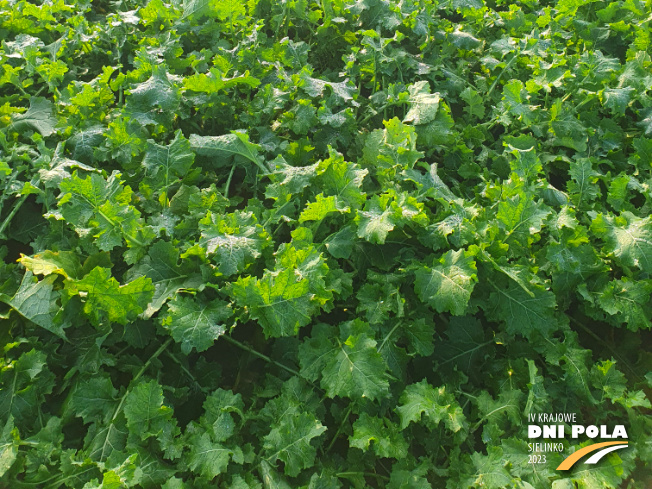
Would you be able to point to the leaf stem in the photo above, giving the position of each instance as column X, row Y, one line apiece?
column 228, row 181
column 112, row 222
column 138, row 375
column 388, row 336
column 11, row 215
column 265, row 358
column 364, row 474
column 507, row 66
column 339, row 430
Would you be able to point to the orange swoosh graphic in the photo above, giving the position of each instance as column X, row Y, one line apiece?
column 571, row 459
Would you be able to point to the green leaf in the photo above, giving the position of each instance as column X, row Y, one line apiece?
column 628, row 301
column 194, row 323
column 165, row 165
column 9, row 443
column 523, row 313
column 236, row 240
column 146, row 415
column 448, row 285
column 394, row 148
column 25, row 383
column 617, row 99
column 169, row 277
column 423, row 104
column 583, row 187
column 37, row 301
column 208, row 455
column 290, row 441
column 520, row 218
column 208, row 458
column 514, row 101
column 154, row 100
column 385, row 435
column 377, row 219
column 340, row 244
column 487, row 471
column 342, row 179
column 475, row 103
column 526, row 164
column 285, row 299
column 227, row 146
column 38, row 117
column 318, row 210
column 94, row 399
column 434, row 404
column 627, row 237
column 101, row 208
column 65, row 263
column 106, row 299
column 289, row 180
column 349, row 366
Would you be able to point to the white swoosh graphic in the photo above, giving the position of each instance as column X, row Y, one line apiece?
column 594, row 459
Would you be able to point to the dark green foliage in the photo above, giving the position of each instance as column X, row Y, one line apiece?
column 322, row 244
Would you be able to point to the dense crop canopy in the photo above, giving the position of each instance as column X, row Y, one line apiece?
column 322, row 244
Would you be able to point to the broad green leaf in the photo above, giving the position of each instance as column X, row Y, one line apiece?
column 208, row 455
column 322, row 207
column 448, row 285
column 475, row 103
column 520, row 218
column 169, row 277
column 342, row 179
column 208, row 458
column 235, row 239
column 629, row 302
column 289, row 180
column 515, row 100
column 377, row 219
column 105, row 299
column 290, row 441
column 356, row 370
column 521, row 312
column 379, row 433
column 423, row 104
column 25, row 383
column 195, row 323
column 196, row 8
column 9, row 443
column 487, row 471
column 617, row 99
column 385, row 211
column 36, row 301
column 280, row 301
column 393, row 149
column 38, row 117
column 627, row 237
column 349, row 366
column 583, row 188
column 165, row 165
column 340, row 244
column 227, row 146
column 102, row 209
column 65, row 263
column 525, row 163
column 285, row 299
column 155, row 100
column 146, row 414
column 94, row 399
column 214, row 81
column 433, row 404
